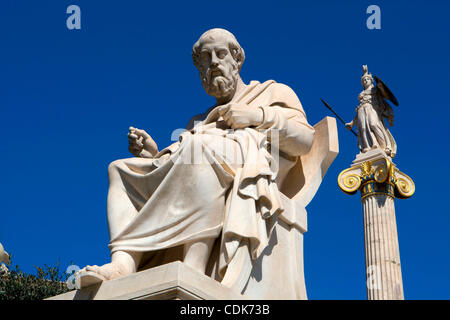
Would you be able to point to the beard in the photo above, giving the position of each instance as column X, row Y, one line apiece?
column 220, row 82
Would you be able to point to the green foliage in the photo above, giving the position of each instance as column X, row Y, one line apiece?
column 17, row 285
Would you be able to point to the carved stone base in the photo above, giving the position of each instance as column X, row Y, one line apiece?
column 172, row 281
column 372, row 155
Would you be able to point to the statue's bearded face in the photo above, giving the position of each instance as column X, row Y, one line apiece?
column 219, row 70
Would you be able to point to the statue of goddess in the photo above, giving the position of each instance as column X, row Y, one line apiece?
column 370, row 113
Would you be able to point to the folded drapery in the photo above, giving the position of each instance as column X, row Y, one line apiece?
column 215, row 181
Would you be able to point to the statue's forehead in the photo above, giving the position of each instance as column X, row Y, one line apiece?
column 215, row 41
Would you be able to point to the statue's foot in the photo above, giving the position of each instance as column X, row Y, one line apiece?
column 94, row 274
column 87, row 278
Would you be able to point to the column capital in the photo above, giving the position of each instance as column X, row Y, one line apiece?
column 376, row 175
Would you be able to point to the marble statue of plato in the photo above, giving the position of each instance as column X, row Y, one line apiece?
column 220, row 199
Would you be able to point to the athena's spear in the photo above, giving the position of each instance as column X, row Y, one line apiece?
column 328, row 106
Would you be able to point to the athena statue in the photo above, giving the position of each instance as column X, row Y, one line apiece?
column 370, row 113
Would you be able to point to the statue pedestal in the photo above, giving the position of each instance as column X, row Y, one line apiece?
column 172, row 281
column 371, row 155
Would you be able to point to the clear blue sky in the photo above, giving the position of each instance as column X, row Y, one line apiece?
column 67, row 99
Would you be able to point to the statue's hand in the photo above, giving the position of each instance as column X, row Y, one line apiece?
column 239, row 115
column 349, row 125
column 140, row 144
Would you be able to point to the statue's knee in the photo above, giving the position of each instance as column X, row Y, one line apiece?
column 113, row 167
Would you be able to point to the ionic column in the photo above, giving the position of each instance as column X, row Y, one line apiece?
column 379, row 182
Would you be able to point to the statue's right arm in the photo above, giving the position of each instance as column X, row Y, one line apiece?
column 349, row 125
column 295, row 134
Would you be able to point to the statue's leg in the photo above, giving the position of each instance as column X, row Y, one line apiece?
column 375, row 126
column 364, row 144
column 121, row 210
column 196, row 254
column 122, row 264
column 181, row 182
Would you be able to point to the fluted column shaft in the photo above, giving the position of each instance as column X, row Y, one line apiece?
column 380, row 183
column 383, row 271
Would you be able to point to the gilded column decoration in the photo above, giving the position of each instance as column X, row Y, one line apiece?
column 376, row 177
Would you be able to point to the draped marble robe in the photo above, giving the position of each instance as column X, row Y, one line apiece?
column 214, row 183
column 372, row 130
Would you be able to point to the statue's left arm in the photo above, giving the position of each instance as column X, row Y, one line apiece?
column 285, row 114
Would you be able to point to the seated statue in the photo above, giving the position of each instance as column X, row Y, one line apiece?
column 214, row 198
